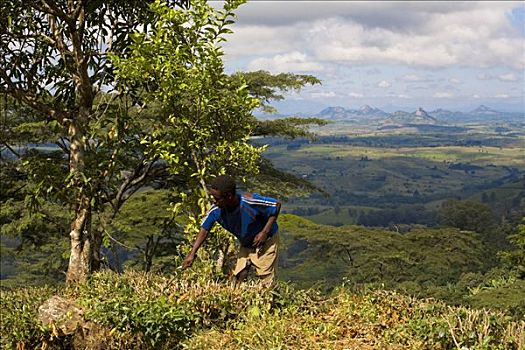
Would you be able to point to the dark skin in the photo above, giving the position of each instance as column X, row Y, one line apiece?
column 229, row 201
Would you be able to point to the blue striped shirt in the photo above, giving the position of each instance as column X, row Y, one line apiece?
column 246, row 221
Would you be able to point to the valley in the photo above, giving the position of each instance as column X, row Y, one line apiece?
column 363, row 169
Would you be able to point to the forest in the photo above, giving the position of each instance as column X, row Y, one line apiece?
column 110, row 135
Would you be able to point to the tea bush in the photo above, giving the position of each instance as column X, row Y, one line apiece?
column 193, row 311
column 19, row 322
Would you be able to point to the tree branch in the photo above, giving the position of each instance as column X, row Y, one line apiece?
column 132, row 181
column 59, row 41
column 30, row 99
column 50, row 7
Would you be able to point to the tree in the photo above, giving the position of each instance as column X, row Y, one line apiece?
column 204, row 114
column 53, row 72
column 515, row 258
column 466, row 215
column 32, row 244
column 54, row 63
column 205, row 119
column 266, row 87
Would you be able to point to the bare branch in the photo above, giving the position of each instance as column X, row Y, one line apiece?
column 62, row 145
column 59, row 40
column 132, row 184
column 116, row 240
column 50, row 7
column 11, row 149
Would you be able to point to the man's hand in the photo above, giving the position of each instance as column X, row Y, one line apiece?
column 260, row 238
column 188, row 261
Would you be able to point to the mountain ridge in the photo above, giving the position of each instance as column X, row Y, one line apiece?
column 420, row 116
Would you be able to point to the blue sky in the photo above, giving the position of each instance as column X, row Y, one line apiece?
column 387, row 54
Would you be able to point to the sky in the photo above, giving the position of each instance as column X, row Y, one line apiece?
column 387, row 54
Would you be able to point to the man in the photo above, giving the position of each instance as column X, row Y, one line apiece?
column 249, row 217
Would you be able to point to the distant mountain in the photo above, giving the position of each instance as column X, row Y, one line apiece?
column 400, row 114
column 403, row 118
column 444, row 115
column 420, row 117
column 366, row 110
column 480, row 114
column 333, row 113
column 341, row 113
column 484, row 110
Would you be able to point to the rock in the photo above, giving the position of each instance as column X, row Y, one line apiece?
column 63, row 313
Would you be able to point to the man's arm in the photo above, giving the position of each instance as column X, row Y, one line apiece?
column 201, row 236
column 261, row 236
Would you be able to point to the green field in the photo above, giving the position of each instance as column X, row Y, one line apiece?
column 359, row 179
column 481, row 156
column 400, row 171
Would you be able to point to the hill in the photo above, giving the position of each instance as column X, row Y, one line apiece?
column 192, row 310
column 444, row 263
column 313, row 253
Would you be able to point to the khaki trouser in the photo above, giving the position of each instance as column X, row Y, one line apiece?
column 264, row 259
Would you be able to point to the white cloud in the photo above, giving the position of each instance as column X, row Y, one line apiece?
column 381, row 14
column 432, row 50
column 412, row 77
column 502, row 96
column 289, row 62
column 425, row 34
column 431, row 46
column 348, row 42
column 384, row 84
column 443, row 95
column 507, row 77
column 323, row 94
column 485, row 76
column 259, row 40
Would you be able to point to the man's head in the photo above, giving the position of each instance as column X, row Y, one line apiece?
column 223, row 191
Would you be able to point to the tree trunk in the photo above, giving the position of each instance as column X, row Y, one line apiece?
column 222, row 263
column 219, row 263
column 81, row 248
column 85, row 243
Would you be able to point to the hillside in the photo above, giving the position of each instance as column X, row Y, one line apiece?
column 444, row 263
column 314, row 253
column 194, row 311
